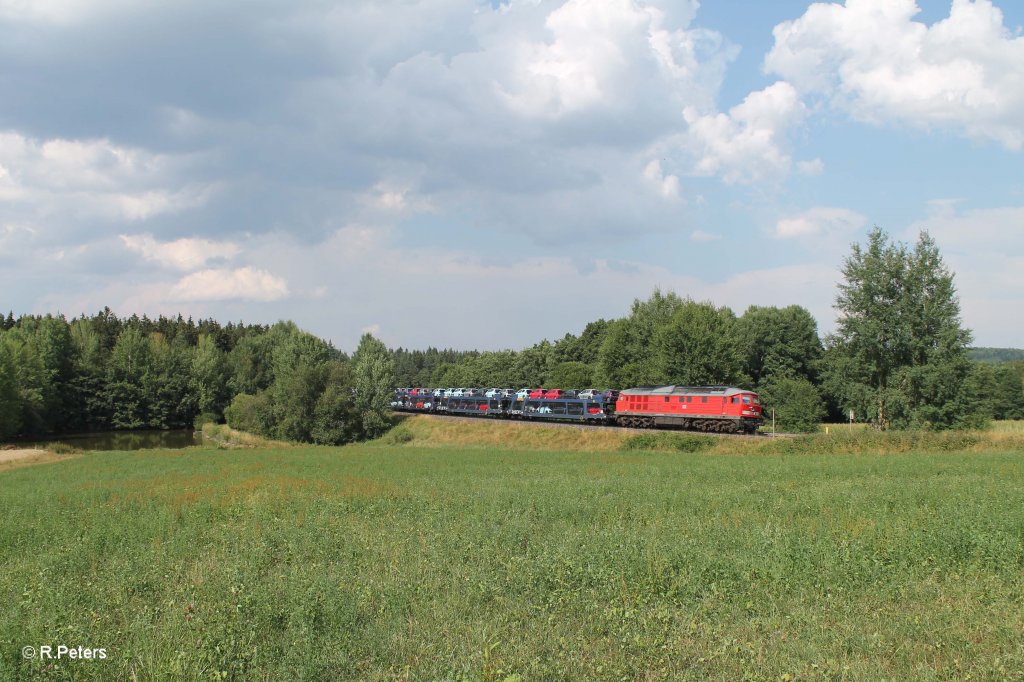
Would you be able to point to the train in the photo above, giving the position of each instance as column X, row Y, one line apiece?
column 718, row 409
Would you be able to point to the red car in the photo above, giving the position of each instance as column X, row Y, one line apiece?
column 537, row 393
column 553, row 393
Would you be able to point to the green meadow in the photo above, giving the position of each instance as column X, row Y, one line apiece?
column 430, row 560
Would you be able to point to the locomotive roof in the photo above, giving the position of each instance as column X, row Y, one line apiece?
column 684, row 390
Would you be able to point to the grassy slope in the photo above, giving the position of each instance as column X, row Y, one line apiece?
column 378, row 562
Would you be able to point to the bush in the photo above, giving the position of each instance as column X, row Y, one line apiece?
column 398, row 436
column 669, row 442
column 252, row 413
column 798, row 405
column 204, row 418
column 59, row 448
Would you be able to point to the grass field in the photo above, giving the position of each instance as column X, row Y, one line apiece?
column 387, row 561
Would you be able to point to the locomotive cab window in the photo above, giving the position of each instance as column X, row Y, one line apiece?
column 746, row 399
column 703, row 398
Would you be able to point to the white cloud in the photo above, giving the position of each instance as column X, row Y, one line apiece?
column 821, row 221
column 870, row 58
column 666, row 185
column 182, row 254
column 598, row 50
column 702, row 236
column 59, row 183
column 985, row 250
column 812, row 167
column 248, row 284
column 749, row 143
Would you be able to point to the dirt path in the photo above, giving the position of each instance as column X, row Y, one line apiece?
column 24, row 453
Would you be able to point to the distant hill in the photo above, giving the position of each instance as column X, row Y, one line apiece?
column 996, row 354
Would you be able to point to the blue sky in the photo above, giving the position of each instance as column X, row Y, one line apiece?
column 474, row 175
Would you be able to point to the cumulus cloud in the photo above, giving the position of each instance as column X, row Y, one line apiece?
column 821, row 221
column 871, row 59
column 666, row 184
column 62, row 184
column 182, row 254
column 749, row 142
column 247, row 284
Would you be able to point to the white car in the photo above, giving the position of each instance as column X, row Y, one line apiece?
column 492, row 393
column 522, row 394
column 457, row 393
column 588, row 394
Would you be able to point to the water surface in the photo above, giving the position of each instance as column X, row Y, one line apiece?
column 124, row 440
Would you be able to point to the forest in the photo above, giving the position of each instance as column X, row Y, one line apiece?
column 105, row 372
column 899, row 358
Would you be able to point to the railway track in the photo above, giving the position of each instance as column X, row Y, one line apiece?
column 582, row 427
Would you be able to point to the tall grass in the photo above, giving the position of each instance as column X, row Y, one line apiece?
column 432, row 431
column 378, row 562
column 1008, row 426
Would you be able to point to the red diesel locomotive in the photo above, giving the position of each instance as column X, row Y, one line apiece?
column 722, row 409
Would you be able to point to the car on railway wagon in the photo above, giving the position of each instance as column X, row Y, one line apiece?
column 564, row 409
column 722, row 409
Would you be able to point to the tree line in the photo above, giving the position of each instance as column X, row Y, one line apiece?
column 898, row 358
column 104, row 372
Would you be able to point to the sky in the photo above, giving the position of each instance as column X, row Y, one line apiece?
column 483, row 174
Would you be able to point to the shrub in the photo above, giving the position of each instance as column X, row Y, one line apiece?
column 59, row 448
column 798, row 405
column 252, row 413
column 670, row 442
column 398, row 436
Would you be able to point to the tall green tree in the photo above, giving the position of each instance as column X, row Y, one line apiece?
column 30, row 380
column 209, row 377
column 626, row 357
column 92, row 410
column 335, row 420
column 130, row 361
column 374, row 385
column 10, row 404
column 697, row 346
column 778, row 342
column 899, row 354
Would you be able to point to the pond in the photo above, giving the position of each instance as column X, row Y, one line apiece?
column 125, row 440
